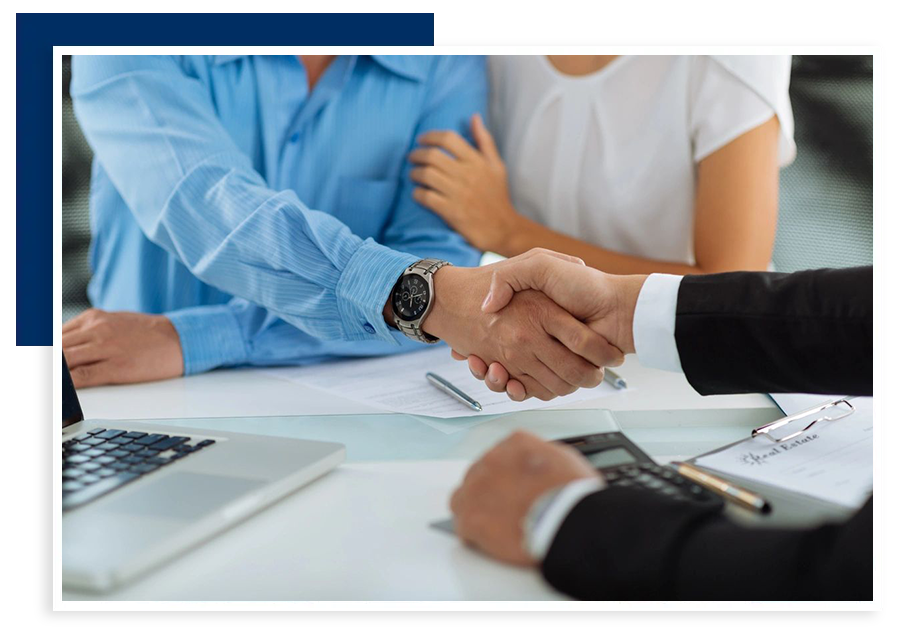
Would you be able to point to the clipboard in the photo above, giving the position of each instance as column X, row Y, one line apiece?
column 789, row 508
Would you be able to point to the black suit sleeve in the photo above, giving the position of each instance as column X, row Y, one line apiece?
column 625, row 544
column 738, row 332
column 809, row 331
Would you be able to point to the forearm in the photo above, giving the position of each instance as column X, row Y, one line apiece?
column 784, row 330
column 240, row 333
column 529, row 234
column 621, row 544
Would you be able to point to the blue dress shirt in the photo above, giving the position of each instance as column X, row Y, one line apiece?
column 227, row 195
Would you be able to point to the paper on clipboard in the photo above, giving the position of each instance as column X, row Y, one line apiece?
column 833, row 461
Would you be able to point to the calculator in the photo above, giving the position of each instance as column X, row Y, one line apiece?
column 624, row 464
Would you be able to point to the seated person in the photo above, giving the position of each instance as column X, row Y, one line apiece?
column 635, row 164
column 728, row 333
column 252, row 201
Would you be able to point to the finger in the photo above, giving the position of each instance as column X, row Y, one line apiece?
column 581, row 340
column 433, row 157
column 430, row 176
column 431, row 199
column 85, row 354
column 74, row 338
column 456, row 501
column 457, row 356
column 515, row 390
column 464, row 529
column 497, row 377
column 548, row 379
column 477, row 367
column 99, row 373
column 570, row 367
column 532, row 388
column 73, row 324
column 451, row 142
column 534, row 270
column 484, row 139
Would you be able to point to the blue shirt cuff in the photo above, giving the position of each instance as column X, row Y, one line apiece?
column 210, row 337
column 364, row 288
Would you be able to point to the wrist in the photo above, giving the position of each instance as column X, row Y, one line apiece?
column 516, row 235
column 627, row 291
column 448, row 281
column 546, row 515
column 388, row 312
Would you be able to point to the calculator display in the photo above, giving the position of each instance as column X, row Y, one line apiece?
column 610, row 457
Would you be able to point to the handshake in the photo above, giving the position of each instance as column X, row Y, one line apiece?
column 538, row 325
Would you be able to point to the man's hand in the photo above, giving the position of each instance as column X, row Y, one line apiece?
column 498, row 491
column 543, row 346
column 604, row 302
column 103, row 348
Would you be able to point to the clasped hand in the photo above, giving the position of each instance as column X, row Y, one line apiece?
column 540, row 348
column 604, row 304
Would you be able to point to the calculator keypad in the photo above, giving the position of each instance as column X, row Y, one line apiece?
column 658, row 479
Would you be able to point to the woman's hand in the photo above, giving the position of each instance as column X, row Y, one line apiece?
column 466, row 186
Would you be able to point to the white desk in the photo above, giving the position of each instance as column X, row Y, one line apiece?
column 362, row 531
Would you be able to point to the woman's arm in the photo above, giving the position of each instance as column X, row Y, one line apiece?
column 736, row 204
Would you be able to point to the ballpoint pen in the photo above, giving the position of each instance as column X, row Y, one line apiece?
column 615, row 379
column 740, row 496
column 448, row 388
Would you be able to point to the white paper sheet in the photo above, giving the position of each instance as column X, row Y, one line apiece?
column 397, row 384
column 832, row 461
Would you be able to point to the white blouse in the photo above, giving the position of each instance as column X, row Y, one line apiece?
column 611, row 157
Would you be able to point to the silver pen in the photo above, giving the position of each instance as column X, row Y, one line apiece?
column 448, row 388
column 615, row 379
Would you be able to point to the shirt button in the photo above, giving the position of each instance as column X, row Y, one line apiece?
column 368, row 328
column 295, row 138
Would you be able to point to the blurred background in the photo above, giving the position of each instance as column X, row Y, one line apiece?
column 825, row 217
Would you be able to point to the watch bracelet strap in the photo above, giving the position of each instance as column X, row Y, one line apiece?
column 413, row 331
column 430, row 266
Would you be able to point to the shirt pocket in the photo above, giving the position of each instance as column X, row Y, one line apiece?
column 365, row 205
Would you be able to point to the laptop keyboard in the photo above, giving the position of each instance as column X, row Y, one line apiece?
column 99, row 461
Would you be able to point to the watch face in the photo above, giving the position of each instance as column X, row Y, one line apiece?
column 410, row 297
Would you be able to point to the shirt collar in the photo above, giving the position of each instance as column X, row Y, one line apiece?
column 408, row 66
column 414, row 67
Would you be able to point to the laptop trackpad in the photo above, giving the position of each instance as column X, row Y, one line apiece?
column 182, row 495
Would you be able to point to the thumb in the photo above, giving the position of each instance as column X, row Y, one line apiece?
column 483, row 138
column 545, row 271
column 500, row 293
column 528, row 271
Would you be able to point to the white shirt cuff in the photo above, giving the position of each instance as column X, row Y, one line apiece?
column 553, row 513
column 654, row 320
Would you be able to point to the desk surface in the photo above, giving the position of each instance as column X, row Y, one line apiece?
column 362, row 532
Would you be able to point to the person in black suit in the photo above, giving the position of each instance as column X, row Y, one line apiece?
column 538, row 503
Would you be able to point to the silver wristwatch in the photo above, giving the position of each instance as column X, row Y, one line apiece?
column 412, row 298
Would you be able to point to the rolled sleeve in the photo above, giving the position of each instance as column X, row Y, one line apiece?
column 210, row 337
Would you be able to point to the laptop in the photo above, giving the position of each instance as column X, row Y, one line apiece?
column 136, row 495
